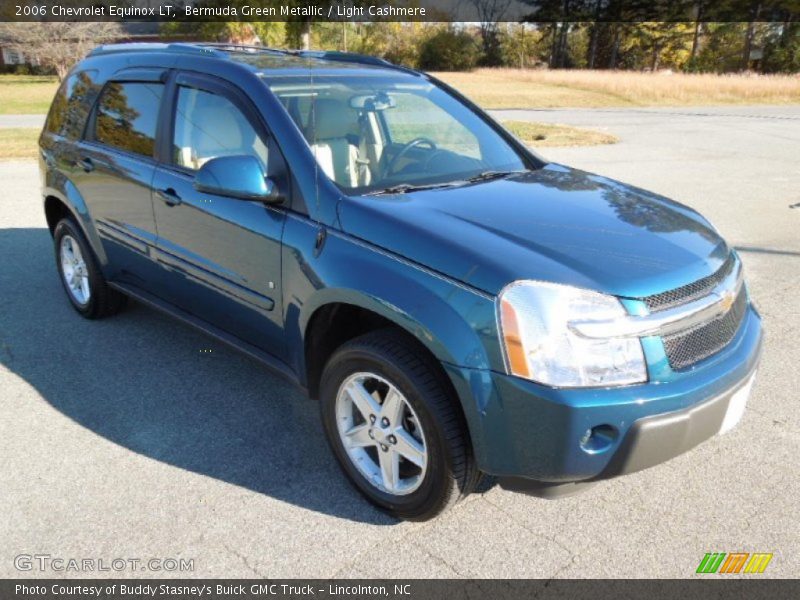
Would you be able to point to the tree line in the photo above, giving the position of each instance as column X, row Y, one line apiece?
column 766, row 47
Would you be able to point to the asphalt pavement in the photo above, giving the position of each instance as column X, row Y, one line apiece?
column 126, row 438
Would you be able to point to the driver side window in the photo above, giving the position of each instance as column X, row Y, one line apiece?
column 415, row 117
column 208, row 126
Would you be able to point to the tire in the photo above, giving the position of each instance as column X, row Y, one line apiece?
column 94, row 299
column 383, row 362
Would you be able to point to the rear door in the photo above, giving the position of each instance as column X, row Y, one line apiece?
column 113, row 170
column 222, row 255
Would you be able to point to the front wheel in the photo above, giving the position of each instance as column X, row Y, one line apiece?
column 397, row 433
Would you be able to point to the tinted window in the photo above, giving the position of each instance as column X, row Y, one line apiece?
column 207, row 126
column 127, row 114
column 72, row 104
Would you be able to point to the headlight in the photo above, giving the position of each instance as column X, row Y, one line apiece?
column 539, row 344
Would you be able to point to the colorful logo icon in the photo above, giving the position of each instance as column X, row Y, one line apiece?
column 735, row 562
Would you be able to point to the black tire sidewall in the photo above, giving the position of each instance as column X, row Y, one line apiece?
column 438, row 479
column 68, row 227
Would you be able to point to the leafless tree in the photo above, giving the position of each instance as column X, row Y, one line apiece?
column 57, row 45
column 489, row 13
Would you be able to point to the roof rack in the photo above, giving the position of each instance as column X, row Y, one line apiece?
column 332, row 55
column 220, row 50
column 352, row 57
column 221, row 46
column 177, row 47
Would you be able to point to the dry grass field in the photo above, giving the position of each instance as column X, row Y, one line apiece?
column 515, row 88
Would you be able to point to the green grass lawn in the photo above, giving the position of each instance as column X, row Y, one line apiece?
column 26, row 94
column 541, row 135
column 18, row 143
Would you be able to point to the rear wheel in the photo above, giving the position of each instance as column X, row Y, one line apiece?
column 397, row 433
column 83, row 281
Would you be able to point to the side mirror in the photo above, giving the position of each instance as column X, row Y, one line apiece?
column 237, row 177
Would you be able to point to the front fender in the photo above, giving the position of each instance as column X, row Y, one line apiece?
column 440, row 323
column 455, row 323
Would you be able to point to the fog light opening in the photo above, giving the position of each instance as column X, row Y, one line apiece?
column 598, row 439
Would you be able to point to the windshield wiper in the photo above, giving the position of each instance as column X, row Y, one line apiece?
column 403, row 188
column 489, row 175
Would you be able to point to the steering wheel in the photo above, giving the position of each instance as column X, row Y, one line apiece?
column 419, row 141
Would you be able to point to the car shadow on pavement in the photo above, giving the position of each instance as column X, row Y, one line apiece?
column 163, row 390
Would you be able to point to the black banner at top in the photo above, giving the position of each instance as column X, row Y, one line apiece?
column 540, row 11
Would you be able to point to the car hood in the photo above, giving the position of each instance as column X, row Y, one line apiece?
column 555, row 224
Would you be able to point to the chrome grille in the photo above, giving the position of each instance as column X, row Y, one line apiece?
column 689, row 347
column 687, row 293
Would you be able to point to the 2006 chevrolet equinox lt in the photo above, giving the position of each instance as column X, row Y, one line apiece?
column 458, row 305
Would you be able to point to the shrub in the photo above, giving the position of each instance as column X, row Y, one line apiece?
column 449, row 50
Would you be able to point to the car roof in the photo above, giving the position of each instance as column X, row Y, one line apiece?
column 266, row 61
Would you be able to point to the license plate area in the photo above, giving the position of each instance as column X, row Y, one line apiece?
column 736, row 406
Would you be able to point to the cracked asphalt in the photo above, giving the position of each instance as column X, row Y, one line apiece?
column 126, row 438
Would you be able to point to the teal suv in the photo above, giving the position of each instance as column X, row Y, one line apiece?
column 459, row 306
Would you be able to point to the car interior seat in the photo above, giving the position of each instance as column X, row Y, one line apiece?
column 332, row 125
column 221, row 131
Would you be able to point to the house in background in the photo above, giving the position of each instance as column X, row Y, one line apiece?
column 9, row 57
column 131, row 32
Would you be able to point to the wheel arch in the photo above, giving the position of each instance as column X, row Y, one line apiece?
column 334, row 315
column 59, row 204
column 56, row 209
column 336, row 322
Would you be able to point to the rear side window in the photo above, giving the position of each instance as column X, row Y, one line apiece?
column 72, row 105
column 127, row 114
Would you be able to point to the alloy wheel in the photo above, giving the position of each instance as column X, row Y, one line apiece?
column 381, row 433
column 74, row 270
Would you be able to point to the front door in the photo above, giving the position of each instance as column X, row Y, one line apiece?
column 222, row 255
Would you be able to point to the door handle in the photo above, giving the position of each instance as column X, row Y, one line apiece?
column 169, row 197
column 86, row 164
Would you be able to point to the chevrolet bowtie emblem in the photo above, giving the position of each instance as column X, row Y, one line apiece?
column 726, row 300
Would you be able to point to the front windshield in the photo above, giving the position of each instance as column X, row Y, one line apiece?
column 369, row 133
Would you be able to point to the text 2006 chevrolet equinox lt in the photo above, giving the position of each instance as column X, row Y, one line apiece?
column 458, row 306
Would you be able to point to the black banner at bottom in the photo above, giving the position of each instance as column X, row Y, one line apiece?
column 705, row 587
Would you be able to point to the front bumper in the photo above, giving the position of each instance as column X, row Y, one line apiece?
column 650, row 441
column 533, row 437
